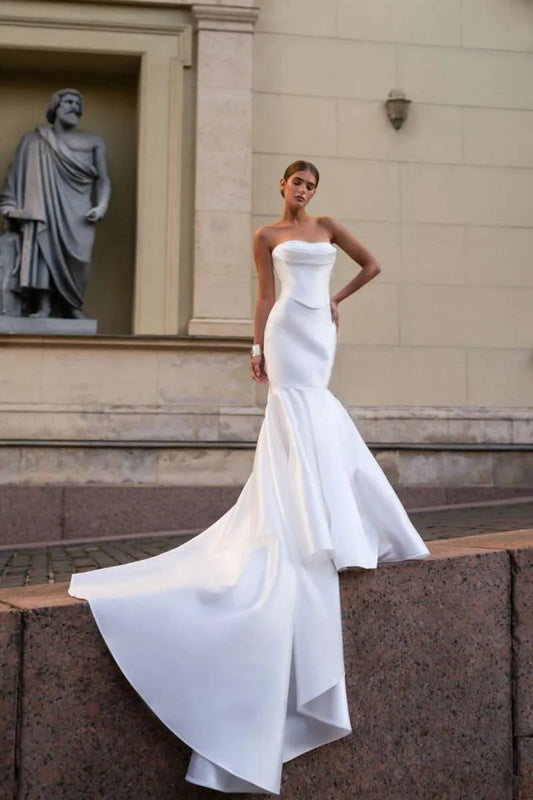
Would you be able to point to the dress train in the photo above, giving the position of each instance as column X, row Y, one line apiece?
column 234, row 639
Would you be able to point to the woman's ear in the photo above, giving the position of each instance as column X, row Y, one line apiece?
column 282, row 187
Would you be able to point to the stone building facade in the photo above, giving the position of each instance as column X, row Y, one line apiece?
column 202, row 105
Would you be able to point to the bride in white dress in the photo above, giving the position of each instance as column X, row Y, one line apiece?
column 234, row 639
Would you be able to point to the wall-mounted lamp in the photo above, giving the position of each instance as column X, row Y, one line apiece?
column 397, row 108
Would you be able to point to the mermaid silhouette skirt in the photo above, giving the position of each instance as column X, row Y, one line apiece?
column 234, row 639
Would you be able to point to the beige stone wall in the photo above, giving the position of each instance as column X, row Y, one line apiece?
column 436, row 351
column 446, row 203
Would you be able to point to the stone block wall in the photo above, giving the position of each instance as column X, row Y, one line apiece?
column 445, row 203
column 438, row 672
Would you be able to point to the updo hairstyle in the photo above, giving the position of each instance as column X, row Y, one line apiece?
column 300, row 166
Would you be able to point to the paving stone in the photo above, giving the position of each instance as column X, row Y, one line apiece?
column 20, row 567
column 103, row 559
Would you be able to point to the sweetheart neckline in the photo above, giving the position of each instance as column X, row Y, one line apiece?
column 302, row 241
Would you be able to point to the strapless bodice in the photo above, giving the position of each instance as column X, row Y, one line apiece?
column 303, row 269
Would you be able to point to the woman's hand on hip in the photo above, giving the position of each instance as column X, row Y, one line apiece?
column 257, row 368
column 334, row 306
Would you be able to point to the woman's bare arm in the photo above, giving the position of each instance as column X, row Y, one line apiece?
column 370, row 267
column 266, row 296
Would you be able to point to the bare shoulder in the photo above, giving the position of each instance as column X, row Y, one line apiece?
column 265, row 237
column 343, row 238
column 263, row 254
column 330, row 225
column 325, row 222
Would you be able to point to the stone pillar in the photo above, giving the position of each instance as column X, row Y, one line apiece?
column 222, row 303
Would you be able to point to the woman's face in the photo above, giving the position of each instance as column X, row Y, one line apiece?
column 299, row 189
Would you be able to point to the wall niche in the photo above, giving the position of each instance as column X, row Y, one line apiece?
column 109, row 85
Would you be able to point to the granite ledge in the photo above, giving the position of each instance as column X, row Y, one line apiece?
column 47, row 595
column 503, row 540
column 55, row 594
column 423, row 712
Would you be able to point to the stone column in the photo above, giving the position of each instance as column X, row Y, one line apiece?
column 222, row 303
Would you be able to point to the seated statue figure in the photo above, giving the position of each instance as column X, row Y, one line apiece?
column 55, row 190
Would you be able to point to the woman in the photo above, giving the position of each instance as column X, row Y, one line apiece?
column 298, row 187
column 234, row 639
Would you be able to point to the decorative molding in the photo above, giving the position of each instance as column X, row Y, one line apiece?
column 182, row 33
column 222, row 327
column 172, row 257
column 88, row 24
column 139, row 342
column 235, row 19
column 217, row 424
column 146, row 3
column 440, row 412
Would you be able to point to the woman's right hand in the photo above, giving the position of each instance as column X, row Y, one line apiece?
column 257, row 368
column 334, row 307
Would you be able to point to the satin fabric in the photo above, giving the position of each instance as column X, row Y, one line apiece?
column 234, row 639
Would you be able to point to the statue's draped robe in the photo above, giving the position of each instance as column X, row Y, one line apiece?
column 52, row 184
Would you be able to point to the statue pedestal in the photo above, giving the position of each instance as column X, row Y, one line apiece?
column 48, row 325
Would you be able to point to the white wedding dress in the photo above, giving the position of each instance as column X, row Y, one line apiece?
column 234, row 639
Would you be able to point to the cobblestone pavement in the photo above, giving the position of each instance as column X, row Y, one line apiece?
column 27, row 566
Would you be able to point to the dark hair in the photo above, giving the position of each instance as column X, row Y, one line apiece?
column 55, row 101
column 301, row 166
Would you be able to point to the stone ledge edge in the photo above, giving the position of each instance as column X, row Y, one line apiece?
column 55, row 594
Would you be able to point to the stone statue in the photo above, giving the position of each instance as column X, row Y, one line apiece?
column 55, row 191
